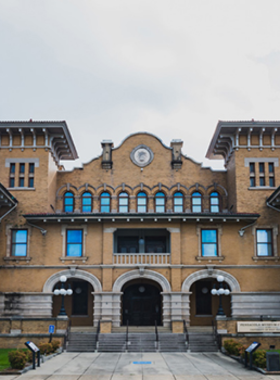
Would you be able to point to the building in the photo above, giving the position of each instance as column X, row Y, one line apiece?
column 142, row 231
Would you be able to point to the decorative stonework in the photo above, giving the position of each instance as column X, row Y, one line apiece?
column 142, row 156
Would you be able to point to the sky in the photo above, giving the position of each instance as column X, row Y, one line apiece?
column 114, row 67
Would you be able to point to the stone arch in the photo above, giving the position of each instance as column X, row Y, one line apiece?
column 148, row 274
column 219, row 188
column 83, row 275
column 229, row 279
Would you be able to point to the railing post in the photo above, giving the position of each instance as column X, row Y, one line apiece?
column 97, row 336
column 126, row 338
column 156, row 332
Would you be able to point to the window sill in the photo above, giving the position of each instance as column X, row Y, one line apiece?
column 74, row 259
column 262, row 188
column 17, row 259
column 266, row 258
column 210, row 258
column 21, row 188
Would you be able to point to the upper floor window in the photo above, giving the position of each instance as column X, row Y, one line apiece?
column 19, row 243
column 141, row 202
column 31, row 175
column 196, row 202
column 160, row 202
column 86, row 202
column 105, row 202
column 178, row 200
column 264, row 242
column 12, row 175
column 214, row 202
column 123, row 202
column 74, row 242
column 209, row 243
column 271, row 174
column 69, row 202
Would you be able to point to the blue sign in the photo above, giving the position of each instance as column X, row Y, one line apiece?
column 142, row 362
column 51, row 329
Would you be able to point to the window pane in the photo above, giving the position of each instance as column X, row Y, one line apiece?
column 123, row 208
column 160, row 194
column 87, row 208
column 208, row 236
column 123, row 201
column 141, row 209
column 141, row 201
column 12, row 182
column 13, row 168
column 209, row 249
column 196, row 208
column 196, row 201
column 252, row 182
column 252, row 167
column 178, row 208
column 160, row 209
column 21, row 182
column 123, row 195
column 262, row 181
column 68, row 208
column 19, row 250
column 271, row 168
column 19, row 236
column 105, row 195
column 21, row 168
column 215, row 209
column 74, row 250
column 160, row 201
column 178, row 201
column 271, row 181
column 214, row 201
column 261, row 167
column 105, row 208
column 31, row 168
column 74, row 236
column 264, row 236
column 31, row 182
column 264, row 249
column 105, row 201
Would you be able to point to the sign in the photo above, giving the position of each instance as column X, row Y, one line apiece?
column 51, row 329
column 258, row 327
column 252, row 347
column 32, row 346
column 272, row 361
column 142, row 362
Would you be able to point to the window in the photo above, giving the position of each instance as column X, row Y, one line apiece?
column 31, row 175
column 264, row 242
column 21, row 168
column 86, row 202
column 196, row 202
column 252, row 174
column 19, row 243
column 178, row 200
column 141, row 202
column 69, row 202
column 74, row 242
column 21, row 175
column 271, row 174
column 209, row 243
column 262, row 174
column 214, row 202
column 105, row 202
column 123, row 202
column 21, row 182
column 31, row 168
column 160, row 202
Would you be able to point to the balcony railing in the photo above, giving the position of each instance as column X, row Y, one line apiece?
column 141, row 258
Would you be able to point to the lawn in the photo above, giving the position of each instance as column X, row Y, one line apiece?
column 4, row 362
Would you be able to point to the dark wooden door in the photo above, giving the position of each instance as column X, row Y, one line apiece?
column 141, row 305
column 203, row 298
column 80, row 298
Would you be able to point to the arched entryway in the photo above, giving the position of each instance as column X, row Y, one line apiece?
column 78, row 306
column 203, row 305
column 141, row 303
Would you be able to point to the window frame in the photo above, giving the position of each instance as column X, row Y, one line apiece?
column 67, row 243
column 201, row 203
column 218, row 228
column 9, row 257
column 86, row 197
column 142, row 197
column 156, row 197
column 214, row 205
column 104, row 197
column 68, row 197
column 127, row 199
column 13, row 230
column 209, row 242
column 274, row 234
column 181, row 197
column 63, row 256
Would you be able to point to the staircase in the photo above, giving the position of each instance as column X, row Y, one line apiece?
column 141, row 342
column 201, row 339
column 172, row 342
column 81, row 341
column 112, row 342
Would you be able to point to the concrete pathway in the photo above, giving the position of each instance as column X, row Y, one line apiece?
column 164, row 366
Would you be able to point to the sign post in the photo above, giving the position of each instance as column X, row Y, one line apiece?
column 252, row 348
column 34, row 349
column 51, row 331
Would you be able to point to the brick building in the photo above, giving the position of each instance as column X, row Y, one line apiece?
column 142, row 231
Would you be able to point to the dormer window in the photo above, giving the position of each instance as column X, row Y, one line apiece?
column 69, row 202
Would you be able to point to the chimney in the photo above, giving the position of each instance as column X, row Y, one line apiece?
column 176, row 146
column 107, row 146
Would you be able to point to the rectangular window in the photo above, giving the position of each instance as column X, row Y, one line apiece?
column 264, row 242
column 21, row 182
column 21, row 168
column 252, row 182
column 19, row 243
column 262, row 181
column 261, row 167
column 30, row 182
column 31, row 168
column 12, row 168
column 271, row 174
column 74, row 243
column 12, row 182
column 252, row 167
column 271, row 182
column 271, row 168
column 209, row 243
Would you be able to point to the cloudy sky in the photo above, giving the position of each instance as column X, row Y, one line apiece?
column 113, row 67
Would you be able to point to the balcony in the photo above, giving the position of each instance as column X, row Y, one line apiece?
column 141, row 258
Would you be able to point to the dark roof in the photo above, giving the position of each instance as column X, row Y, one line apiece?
column 7, row 195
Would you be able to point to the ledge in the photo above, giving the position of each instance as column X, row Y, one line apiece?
column 17, row 258
column 21, row 188
column 266, row 258
column 210, row 258
column 73, row 259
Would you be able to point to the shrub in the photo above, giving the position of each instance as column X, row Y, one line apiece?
column 17, row 359
column 55, row 345
column 233, row 347
column 29, row 356
column 259, row 358
column 45, row 348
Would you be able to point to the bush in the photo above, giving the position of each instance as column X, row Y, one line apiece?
column 45, row 348
column 259, row 358
column 29, row 356
column 17, row 359
column 233, row 347
column 55, row 345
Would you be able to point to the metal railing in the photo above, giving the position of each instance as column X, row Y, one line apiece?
column 66, row 334
column 216, row 335
column 126, row 337
column 97, row 335
column 141, row 258
column 186, row 332
column 156, row 332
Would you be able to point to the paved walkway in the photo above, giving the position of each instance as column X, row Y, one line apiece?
column 115, row 366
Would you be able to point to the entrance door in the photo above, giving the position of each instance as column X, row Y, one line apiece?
column 141, row 305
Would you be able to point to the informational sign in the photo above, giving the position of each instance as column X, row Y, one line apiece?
column 252, row 347
column 260, row 326
column 51, row 329
column 32, row 346
column 142, row 362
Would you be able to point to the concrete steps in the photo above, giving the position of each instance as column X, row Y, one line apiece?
column 202, row 341
column 141, row 342
column 141, row 329
column 172, row 343
column 81, row 342
column 112, row 342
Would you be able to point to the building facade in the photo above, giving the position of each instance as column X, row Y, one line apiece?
column 142, row 231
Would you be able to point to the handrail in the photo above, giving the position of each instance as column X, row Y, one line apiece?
column 186, row 331
column 126, row 338
column 66, row 334
column 156, row 331
column 216, row 335
column 97, row 334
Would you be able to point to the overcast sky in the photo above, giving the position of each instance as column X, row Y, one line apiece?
column 113, row 67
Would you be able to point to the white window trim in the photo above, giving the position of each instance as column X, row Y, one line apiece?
column 9, row 257
column 65, row 227
column 274, row 228
column 217, row 227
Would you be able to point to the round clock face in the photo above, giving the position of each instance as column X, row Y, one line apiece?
column 142, row 156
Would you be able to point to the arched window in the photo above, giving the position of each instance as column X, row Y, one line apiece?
column 86, row 202
column 105, row 202
column 160, row 202
column 142, row 202
column 69, row 202
column 214, row 202
column 178, row 201
column 196, row 202
column 123, row 202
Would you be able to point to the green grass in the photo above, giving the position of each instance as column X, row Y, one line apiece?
column 4, row 361
column 274, row 351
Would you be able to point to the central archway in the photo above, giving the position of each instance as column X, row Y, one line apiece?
column 142, row 303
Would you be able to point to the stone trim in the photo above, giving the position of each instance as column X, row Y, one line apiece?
column 10, row 161
column 249, row 160
column 217, row 227
column 9, row 257
column 65, row 227
column 274, row 228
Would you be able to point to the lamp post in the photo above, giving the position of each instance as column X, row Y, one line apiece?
column 219, row 292
column 63, row 292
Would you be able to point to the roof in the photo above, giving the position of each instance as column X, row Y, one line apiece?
column 6, row 198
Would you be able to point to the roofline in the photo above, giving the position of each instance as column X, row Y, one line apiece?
column 8, row 194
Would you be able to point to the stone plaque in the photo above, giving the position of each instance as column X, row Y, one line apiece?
column 142, row 155
column 251, row 327
column 272, row 361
